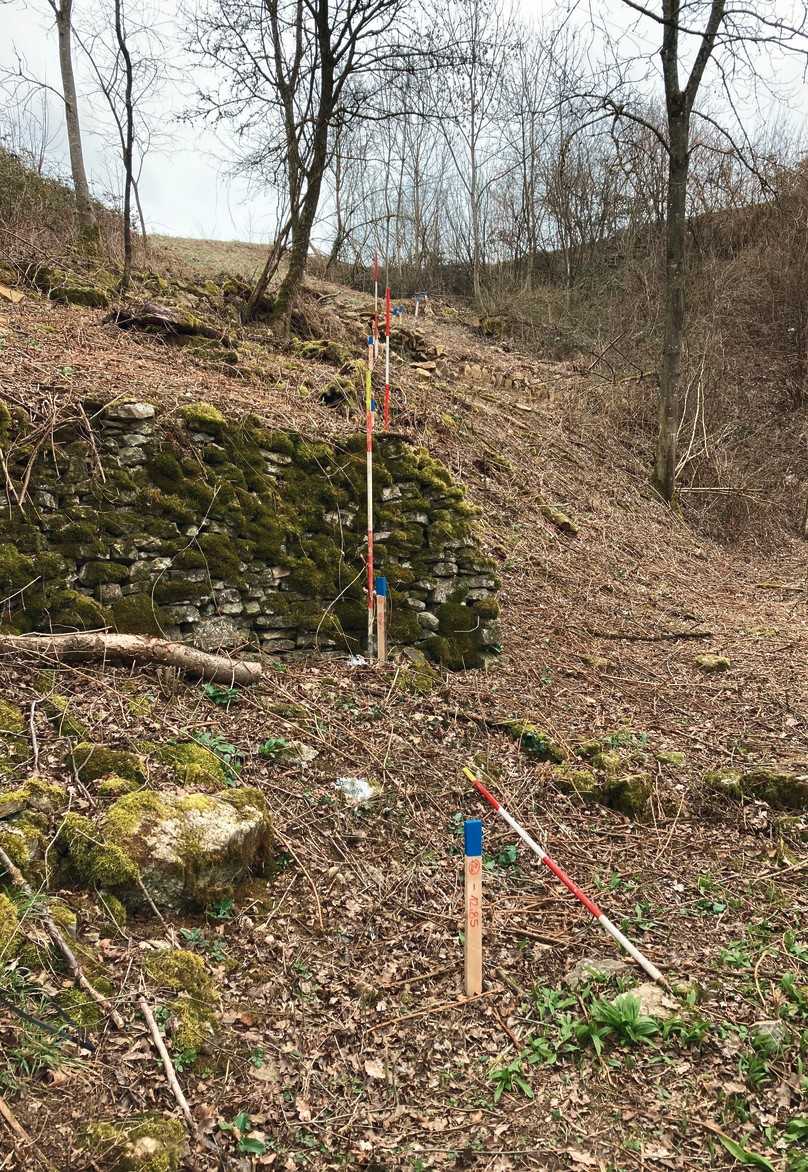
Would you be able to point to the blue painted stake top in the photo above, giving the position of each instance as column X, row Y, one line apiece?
column 473, row 837
column 381, row 587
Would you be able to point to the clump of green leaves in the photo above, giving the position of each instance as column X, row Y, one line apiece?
column 510, row 1078
column 249, row 1141
column 224, row 697
column 273, row 747
column 228, row 754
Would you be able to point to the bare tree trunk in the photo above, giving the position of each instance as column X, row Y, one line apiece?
column 267, row 273
column 674, row 308
column 88, row 224
column 129, row 138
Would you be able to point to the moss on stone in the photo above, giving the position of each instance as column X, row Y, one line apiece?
column 11, row 718
column 782, row 789
column 571, row 779
column 24, row 842
column 673, row 759
column 114, row 909
column 723, row 781
column 10, row 936
column 195, row 1005
column 95, row 761
column 141, row 1143
column 561, row 521
column 36, row 794
column 193, row 764
column 136, row 614
column 712, row 664
column 113, row 786
column 96, row 861
column 537, row 744
column 57, row 710
column 204, row 417
column 629, row 795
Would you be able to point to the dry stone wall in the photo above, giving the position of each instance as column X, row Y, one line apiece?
column 227, row 534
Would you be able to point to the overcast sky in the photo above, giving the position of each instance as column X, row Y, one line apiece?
column 184, row 188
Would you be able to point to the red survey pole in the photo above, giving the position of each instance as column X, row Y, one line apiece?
column 564, row 878
column 388, row 322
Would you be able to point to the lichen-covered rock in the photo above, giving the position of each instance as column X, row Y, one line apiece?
column 629, row 795
column 96, row 861
column 196, row 1002
column 537, row 744
column 571, row 779
column 193, row 764
column 671, row 758
column 95, row 761
column 561, row 521
column 711, row 664
column 141, row 1143
column 13, row 743
column 34, row 794
column 190, row 848
column 784, row 789
column 723, row 781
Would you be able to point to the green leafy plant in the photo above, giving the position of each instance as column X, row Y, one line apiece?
column 736, row 956
column 508, row 1079
column 273, row 747
column 621, row 1020
column 227, row 753
column 185, row 1058
column 224, row 697
column 241, row 1127
column 745, row 1155
column 221, row 909
column 507, row 857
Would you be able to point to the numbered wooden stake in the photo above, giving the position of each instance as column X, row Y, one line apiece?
column 473, row 843
column 381, row 620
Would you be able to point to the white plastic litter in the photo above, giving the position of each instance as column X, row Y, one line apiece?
column 356, row 789
column 357, row 661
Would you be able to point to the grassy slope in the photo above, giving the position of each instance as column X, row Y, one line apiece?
column 311, row 1045
column 210, row 258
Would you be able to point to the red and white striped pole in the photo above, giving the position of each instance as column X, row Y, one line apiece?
column 375, row 305
column 388, row 322
column 370, row 406
column 564, row 878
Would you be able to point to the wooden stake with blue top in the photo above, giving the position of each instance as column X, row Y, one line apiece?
column 381, row 617
column 473, row 850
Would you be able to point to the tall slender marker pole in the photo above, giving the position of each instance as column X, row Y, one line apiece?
column 564, row 878
column 369, row 409
column 381, row 620
column 473, row 937
column 375, row 305
column 388, row 322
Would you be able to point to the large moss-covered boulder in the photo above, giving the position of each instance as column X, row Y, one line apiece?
column 190, row 848
column 630, row 794
column 141, row 1143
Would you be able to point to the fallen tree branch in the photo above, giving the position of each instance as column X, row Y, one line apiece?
column 168, row 1065
column 137, row 649
column 20, row 882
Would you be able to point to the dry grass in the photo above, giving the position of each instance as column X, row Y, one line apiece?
column 210, row 258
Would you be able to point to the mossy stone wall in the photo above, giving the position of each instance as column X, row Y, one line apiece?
column 228, row 535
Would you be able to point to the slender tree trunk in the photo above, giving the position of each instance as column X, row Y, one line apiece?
column 129, row 138
column 88, row 224
column 674, row 307
column 267, row 273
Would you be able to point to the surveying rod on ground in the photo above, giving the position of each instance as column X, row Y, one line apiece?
column 388, row 322
column 370, row 406
column 564, row 878
column 473, row 931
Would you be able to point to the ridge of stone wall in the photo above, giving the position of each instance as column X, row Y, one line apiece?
column 224, row 533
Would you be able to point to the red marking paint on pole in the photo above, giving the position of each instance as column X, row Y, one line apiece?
column 564, row 878
column 388, row 323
